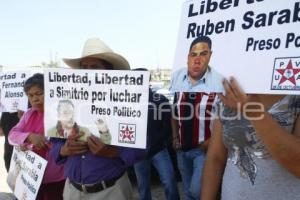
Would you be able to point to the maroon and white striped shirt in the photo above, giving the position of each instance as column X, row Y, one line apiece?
column 194, row 113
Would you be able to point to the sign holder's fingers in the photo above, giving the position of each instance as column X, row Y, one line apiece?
column 238, row 91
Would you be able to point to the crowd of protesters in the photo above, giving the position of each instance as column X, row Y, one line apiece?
column 256, row 156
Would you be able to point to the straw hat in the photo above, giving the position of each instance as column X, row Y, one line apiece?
column 95, row 48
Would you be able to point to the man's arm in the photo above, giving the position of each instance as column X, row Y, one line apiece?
column 17, row 135
column 175, row 135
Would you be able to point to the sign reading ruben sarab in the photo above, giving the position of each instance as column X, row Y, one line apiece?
column 26, row 173
column 256, row 41
column 110, row 104
column 13, row 97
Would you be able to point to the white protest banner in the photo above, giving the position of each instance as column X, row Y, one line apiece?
column 26, row 173
column 110, row 104
column 256, row 41
column 13, row 97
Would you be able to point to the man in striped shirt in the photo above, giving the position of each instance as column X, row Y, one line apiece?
column 195, row 89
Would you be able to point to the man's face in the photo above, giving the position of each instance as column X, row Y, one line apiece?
column 198, row 59
column 92, row 63
column 65, row 112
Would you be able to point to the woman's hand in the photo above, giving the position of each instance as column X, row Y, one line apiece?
column 234, row 95
column 39, row 141
column 236, row 99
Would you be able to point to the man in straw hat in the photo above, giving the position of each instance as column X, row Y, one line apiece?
column 93, row 169
column 97, row 55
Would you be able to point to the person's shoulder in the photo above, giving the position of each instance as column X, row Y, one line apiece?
column 178, row 77
column 179, row 72
column 29, row 112
column 215, row 81
column 216, row 74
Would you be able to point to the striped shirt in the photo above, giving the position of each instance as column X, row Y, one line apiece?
column 194, row 113
column 194, row 105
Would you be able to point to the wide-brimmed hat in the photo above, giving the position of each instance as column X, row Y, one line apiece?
column 95, row 48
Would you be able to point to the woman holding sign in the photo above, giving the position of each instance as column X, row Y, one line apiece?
column 29, row 134
column 257, row 138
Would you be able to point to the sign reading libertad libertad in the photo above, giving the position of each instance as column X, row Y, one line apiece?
column 112, row 105
column 257, row 41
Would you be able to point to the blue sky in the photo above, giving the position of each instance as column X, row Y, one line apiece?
column 34, row 31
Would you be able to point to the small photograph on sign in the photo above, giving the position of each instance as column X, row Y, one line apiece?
column 67, row 126
column 197, row 75
column 286, row 74
column 127, row 133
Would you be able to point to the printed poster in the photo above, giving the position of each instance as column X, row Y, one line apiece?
column 256, row 41
column 13, row 97
column 110, row 104
column 26, row 173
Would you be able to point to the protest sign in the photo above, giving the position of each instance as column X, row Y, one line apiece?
column 256, row 41
column 26, row 173
column 13, row 97
column 111, row 104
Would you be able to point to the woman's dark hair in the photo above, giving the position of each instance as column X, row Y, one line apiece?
column 35, row 80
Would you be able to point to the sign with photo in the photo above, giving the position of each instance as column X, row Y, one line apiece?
column 26, row 173
column 13, row 97
column 110, row 104
column 256, row 41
